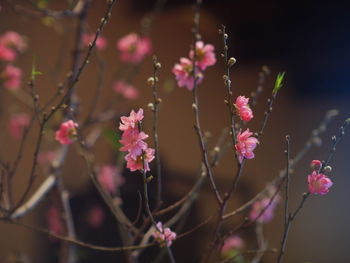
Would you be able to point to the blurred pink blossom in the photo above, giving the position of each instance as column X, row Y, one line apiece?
column 259, row 206
column 133, row 48
column 7, row 54
column 96, row 216
column 319, row 183
column 232, row 242
column 125, row 89
column 13, row 40
column 205, row 55
column 246, row 144
column 17, row 123
column 101, row 42
column 164, row 236
column 46, row 157
column 110, row 178
column 67, row 132
column 54, row 220
column 184, row 74
column 11, row 77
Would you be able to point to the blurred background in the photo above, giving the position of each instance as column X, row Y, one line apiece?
column 308, row 40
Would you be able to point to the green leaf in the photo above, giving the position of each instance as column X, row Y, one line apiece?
column 34, row 71
column 112, row 138
column 278, row 83
column 347, row 120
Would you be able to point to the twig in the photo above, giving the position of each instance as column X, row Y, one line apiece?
column 155, row 109
column 195, row 104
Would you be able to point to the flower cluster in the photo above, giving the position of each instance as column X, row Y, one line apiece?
column 133, row 48
column 245, row 145
column 139, row 154
column 263, row 210
column 164, row 236
column 243, row 109
column 100, row 44
column 110, row 178
column 183, row 71
column 318, row 182
column 126, row 90
column 67, row 132
column 10, row 44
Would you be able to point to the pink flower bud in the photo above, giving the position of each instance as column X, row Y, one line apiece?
column 245, row 145
column 164, row 236
column 316, row 165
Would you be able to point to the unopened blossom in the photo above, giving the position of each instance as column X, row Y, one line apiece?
column 164, row 236
column 184, row 74
column 11, row 77
column 133, row 48
column 265, row 205
column 96, row 216
column 131, row 121
column 67, row 132
column 232, row 242
column 141, row 162
column 100, row 43
column 316, row 164
column 110, row 178
column 18, row 122
column 319, row 183
column 7, row 54
column 245, row 145
column 128, row 91
column 13, row 40
column 243, row 109
column 205, row 55
column 132, row 141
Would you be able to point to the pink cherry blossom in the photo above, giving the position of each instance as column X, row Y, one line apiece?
column 13, row 40
column 245, row 113
column 11, row 77
column 141, row 162
column 131, row 121
column 67, row 132
column 205, row 55
column 128, row 91
column 110, row 179
column 319, row 183
column 243, row 109
column 184, row 74
column 101, row 42
column 245, row 145
column 18, row 122
column 241, row 101
column 133, row 48
column 232, row 242
column 164, row 236
column 7, row 54
column 96, row 216
column 316, row 165
column 132, row 141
